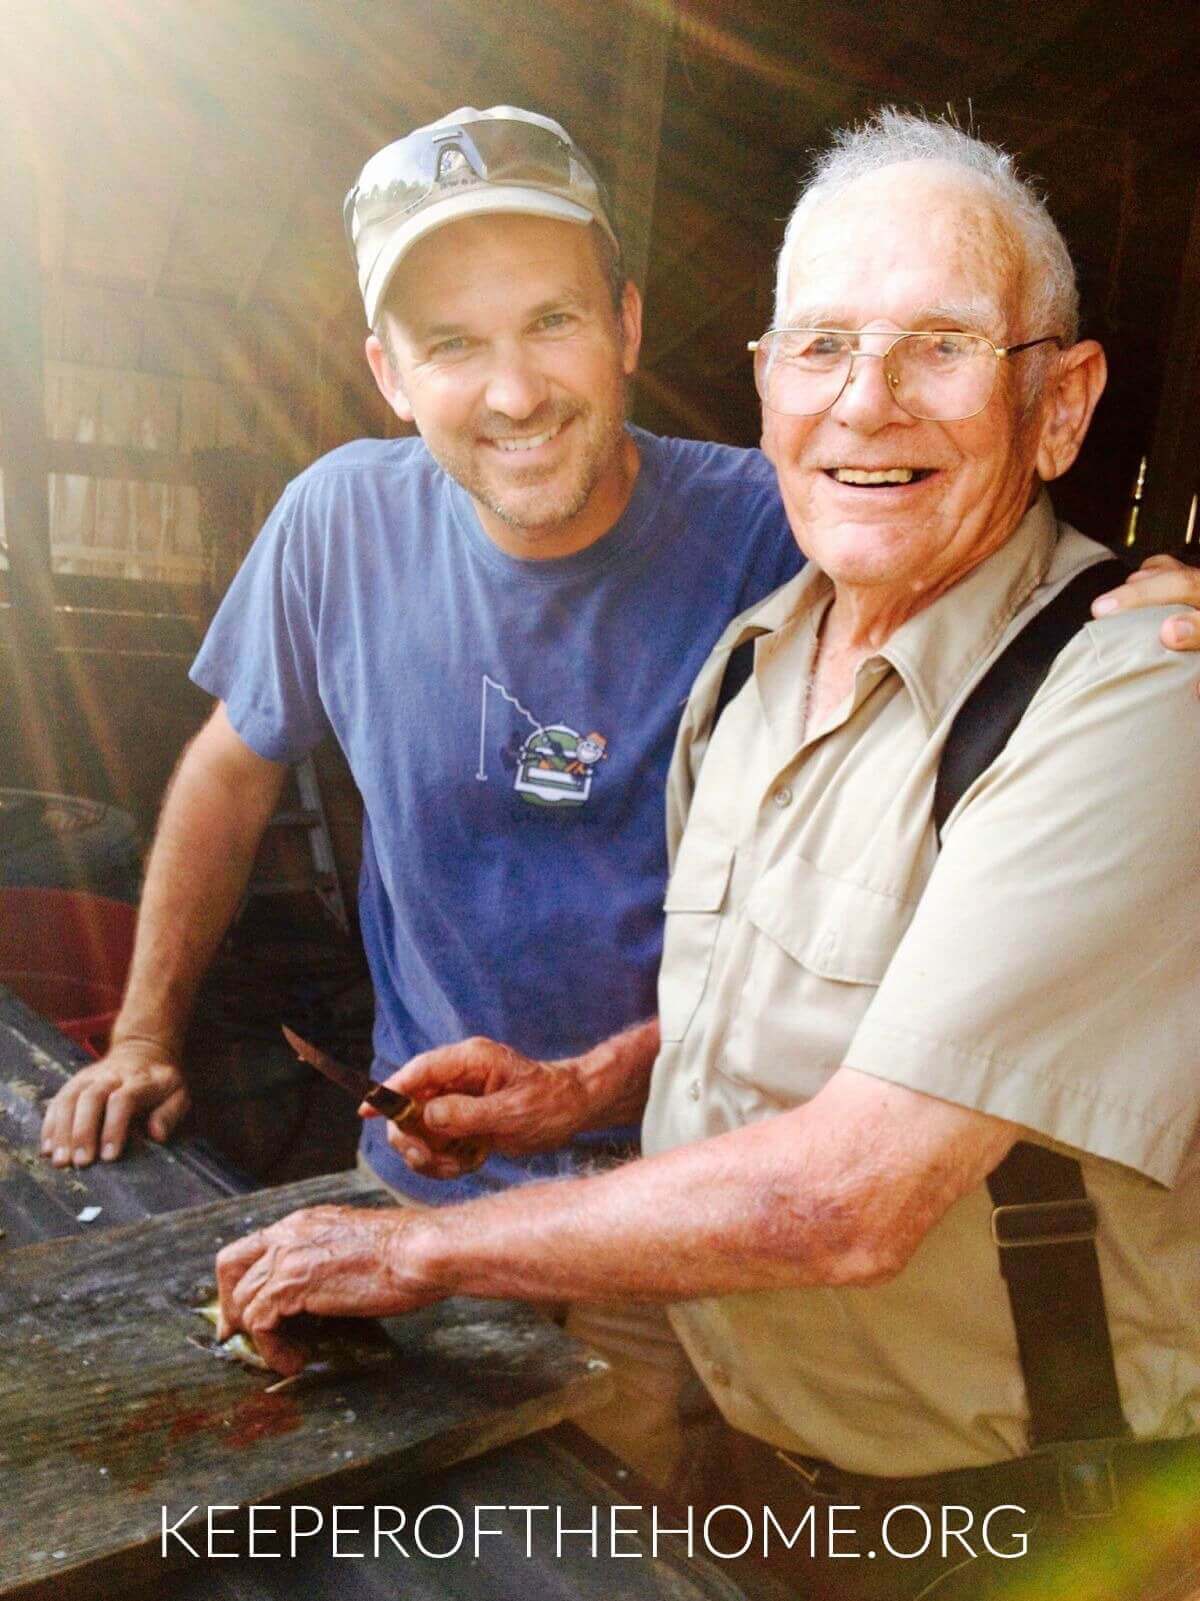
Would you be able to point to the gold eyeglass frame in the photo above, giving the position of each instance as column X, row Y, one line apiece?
column 998, row 351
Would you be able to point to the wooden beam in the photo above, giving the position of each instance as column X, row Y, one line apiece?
column 225, row 480
column 132, row 464
column 129, row 463
column 645, row 48
column 680, row 407
column 286, row 199
column 157, row 265
column 1173, row 474
column 711, row 312
column 443, row 1384
column 23, row 409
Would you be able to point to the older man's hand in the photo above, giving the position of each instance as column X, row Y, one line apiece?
column 331, row 1261
column 1160, row 581
column 480, row 1088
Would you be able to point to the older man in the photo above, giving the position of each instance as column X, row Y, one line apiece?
column 857, row 1027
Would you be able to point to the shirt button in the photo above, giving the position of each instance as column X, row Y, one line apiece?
column 782, row 797
column 694, row 1089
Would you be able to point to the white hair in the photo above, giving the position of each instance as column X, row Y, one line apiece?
column 892, row 136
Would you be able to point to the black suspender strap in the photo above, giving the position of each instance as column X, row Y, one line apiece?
column 986, row 719
column 1044, row 1226
column 1043, row 1222
column 737, row 670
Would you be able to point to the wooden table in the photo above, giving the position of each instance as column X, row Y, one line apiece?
column 559, row 1471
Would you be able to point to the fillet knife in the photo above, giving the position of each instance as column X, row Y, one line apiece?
column 399, row 1109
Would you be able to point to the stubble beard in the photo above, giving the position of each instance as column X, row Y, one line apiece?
column 602, row 431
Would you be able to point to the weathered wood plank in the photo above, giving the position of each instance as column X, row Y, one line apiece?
column 121, row 463
column 41, row 1202
column 108, row 1411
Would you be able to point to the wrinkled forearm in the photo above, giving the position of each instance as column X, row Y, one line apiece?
column 839, row 1191
column 615, row 1076
column 709, row 1219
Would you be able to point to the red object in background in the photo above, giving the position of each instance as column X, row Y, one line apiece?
column 66, row 954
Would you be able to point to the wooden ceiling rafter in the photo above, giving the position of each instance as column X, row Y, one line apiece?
column 645, row 45
column 745, row 285
column 286, row 197
column 1108, row 88
column 158, row 261
column 698, row 420
column 776, row 68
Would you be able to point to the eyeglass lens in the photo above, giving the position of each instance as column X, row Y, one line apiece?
column 939, row 376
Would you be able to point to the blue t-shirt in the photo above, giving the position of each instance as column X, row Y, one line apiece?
column 509, row 724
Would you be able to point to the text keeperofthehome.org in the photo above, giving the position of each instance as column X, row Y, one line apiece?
column 437, row 1532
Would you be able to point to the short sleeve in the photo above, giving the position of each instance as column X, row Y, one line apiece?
column 259, row 655
column 1048, row 975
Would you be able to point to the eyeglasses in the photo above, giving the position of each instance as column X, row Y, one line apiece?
column 941, row 376
column 496, row 150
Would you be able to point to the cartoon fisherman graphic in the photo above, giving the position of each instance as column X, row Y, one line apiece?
column 556, row 766
column 553, row 765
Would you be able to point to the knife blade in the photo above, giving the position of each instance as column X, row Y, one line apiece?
column 399, row 1109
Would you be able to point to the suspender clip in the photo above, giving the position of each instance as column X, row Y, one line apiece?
column 1087, row 1481
column 1044, row 1223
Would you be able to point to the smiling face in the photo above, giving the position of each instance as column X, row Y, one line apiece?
column 509, row 357
column 881, row 500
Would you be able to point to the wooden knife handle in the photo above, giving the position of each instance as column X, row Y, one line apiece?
column 404, row 1112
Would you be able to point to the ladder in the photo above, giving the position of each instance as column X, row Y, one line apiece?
column 309, row 816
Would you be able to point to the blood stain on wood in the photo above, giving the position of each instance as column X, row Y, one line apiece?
column 262, row 1417
column 240, row 1425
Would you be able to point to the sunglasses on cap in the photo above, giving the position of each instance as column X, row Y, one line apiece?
column 431, row 164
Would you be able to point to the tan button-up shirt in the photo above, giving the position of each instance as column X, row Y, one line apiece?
column 1041, row 967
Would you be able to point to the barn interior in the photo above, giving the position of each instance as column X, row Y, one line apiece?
column 182, row 333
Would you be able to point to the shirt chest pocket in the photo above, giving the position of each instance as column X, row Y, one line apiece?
column 694, row 898
column 820, row 948
column 837, row 929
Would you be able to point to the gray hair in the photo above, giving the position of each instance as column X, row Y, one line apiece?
column 891, row 136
